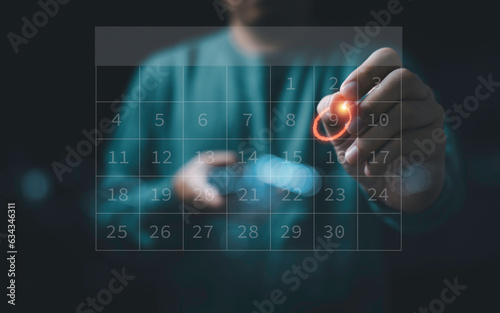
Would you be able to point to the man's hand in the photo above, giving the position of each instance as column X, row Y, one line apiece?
column 388, row 102
column 191, row 182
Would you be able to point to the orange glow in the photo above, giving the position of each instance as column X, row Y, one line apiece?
column 335, row 136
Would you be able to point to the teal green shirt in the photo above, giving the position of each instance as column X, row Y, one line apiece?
column 206, row 95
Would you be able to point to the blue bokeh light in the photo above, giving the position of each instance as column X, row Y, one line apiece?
column 35, row 185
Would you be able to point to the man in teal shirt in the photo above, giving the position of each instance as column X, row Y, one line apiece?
column 229, row 106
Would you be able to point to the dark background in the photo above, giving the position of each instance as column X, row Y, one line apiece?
column 48, row 98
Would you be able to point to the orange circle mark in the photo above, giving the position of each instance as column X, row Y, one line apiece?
column 337, row 135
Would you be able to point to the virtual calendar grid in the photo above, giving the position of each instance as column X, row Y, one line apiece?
column 138, row 209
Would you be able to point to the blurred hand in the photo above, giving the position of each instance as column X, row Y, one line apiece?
column 388, row 90
column 191, row 182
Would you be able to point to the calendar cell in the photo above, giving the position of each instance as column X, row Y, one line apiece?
column 202, row 123
column 294, row 196
column 118, row 231
column 161, row 157
column 118, row 119
column 161, row 231
column 154, row 76
column 244, row 83
column 112, row 81
column 381, row 156
column 292, row 120
column 340, row 229
column 203, row 151
column 328, row 159
column 328, row 79
column 248, row 232
column 333, row 195
column 198, row 89
column 118, row 195
column 118, row 157
column 244, row 120
column 249, row 154
column 376, row 75
column 205, row 232
column 292, row 159
column 249, row 196
column 369, row 223
column 158, row 195
column 291, row 82
column 158, row 120
column 379, row 120
column 379, row 196
column 292, row 231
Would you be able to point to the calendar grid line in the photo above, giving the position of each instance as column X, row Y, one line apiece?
column 314, row 162
column 235, row 139
column 183, row 157
column 139, row 154
column 246, row 250
column 95, row 158
column 401, row 155
column 251, row 176
column 256, row 213
column 226, row 204
column 229, row 101
column 357, row 169
column 270, row 151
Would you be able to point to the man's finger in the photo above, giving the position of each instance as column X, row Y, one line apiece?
column 369, row 74
column 219, row 158
column 401, row 116
column 400, row 84
column 388, row 94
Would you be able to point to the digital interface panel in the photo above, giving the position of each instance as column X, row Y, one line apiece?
column 244, row 136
